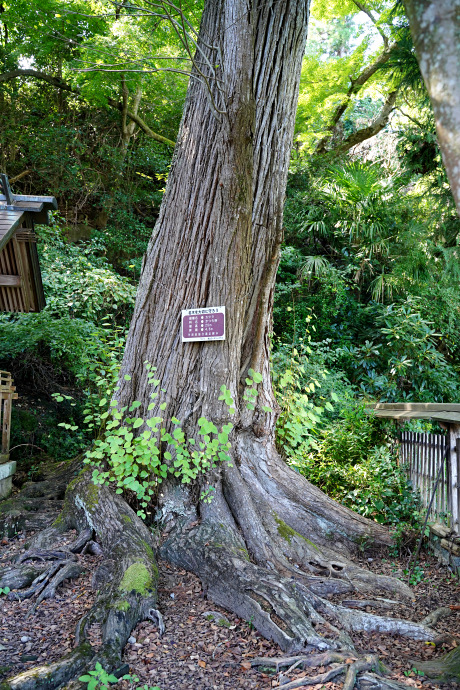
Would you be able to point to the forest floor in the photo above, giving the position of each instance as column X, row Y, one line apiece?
column 200, row 650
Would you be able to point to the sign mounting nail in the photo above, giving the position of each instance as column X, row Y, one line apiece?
column 203, row 324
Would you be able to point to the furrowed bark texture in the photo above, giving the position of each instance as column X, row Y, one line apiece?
column 270, row 545
column 435, row 29
column 126, row 580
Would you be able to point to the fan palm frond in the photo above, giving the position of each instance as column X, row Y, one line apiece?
column 315, row 266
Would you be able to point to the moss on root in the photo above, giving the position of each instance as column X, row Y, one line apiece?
column 242, row 553
column 149, row 551
column 443, row 670
column 137, row 579
column 121, row 605
column 288, row 533
column 92, row 496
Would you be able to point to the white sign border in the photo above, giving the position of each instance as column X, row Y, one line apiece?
column 205, row 310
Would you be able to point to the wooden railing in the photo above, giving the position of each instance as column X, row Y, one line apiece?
column 7, row 395
column 433, row 465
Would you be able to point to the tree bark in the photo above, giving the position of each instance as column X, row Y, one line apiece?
column 435, row 29
column 269, row 542
column 126, row 580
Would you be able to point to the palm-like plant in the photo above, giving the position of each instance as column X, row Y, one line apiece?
column 356, row 223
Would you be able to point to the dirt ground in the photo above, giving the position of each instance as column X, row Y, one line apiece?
column 204, row 647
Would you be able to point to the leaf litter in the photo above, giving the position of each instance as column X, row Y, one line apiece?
column 204, row 646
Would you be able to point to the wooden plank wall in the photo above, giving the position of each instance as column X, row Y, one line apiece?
column 11, row 296
column 21, row 288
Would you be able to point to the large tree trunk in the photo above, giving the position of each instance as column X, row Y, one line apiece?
column 217, row 243
column 435, row 29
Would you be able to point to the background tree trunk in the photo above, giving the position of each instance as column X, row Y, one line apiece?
column 435, row 29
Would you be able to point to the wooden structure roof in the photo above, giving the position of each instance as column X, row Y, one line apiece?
column 21, row 288
column 440, row 412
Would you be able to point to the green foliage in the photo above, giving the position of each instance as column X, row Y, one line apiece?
column 79, row 280
column 129, row 454
column 364, row 257
column 129, row 448
column 4, row 590
column 300, row 419
column 352, row 465
column 416, row 575
column 133, row 450
column 99, row 679
column 64, row 339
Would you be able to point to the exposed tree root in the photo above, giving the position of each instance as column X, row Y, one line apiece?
column 38, row 503
column 379, row 603
column 372, row 681
column 240, row 548
column 445, row 669
column 250, row 560
column 435, row 616
column 127, row 580
column 348, row 665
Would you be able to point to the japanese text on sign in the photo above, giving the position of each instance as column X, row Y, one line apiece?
column 203, row 324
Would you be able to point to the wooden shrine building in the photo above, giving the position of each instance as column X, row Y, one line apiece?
column 21, row 288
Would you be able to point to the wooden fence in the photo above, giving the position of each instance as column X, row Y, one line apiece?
column 422, row 455
column 7, row 395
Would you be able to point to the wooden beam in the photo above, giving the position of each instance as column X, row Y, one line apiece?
column 49, row 200
column 10, row 281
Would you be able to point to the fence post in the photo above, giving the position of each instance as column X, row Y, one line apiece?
column 7, row 466
column 452, row 468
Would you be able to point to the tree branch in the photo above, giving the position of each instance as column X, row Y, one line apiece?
column 409, row 117
column 355, row 87
column 376, row 126
column 367, row 11
column 15, row 179
column 143, row 125
column 64, row 86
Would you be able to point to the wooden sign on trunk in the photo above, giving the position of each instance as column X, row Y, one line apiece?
column 203, row 324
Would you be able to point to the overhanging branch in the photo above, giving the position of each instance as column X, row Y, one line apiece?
column 376, row 126
column 61, row 84
column 366, row 10
column 355, row 87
